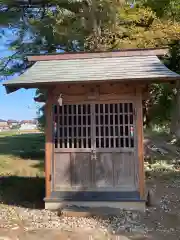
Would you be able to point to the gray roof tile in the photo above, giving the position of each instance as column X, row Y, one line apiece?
column 93, row 69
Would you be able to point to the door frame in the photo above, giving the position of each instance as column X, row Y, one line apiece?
column 98, row 150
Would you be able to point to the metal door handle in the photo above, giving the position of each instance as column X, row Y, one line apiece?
column 93, row 151
column 93, row 154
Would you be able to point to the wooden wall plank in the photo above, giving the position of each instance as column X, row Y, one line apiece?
column 63, row 123
column 109, row 129
column 139, row 126
column 73, row 125
column 94, row 92
column 123, row 115
column 62, row 171
column 124, row 170
column 114, row 129
column 104, row 126
column 87, row 126
column 77, row 128
column 81, row 170
column 58, row 127
column 68, row 125
column 49, row 143
column 104, row 170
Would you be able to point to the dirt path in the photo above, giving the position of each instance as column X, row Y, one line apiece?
column 163, row 220
column 59, row 235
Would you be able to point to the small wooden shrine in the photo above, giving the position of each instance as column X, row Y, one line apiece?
column 94, row 124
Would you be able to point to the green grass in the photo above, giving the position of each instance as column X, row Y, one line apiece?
column 155, row 134
column 15, row 148
column 22, row 145
column 22, row 168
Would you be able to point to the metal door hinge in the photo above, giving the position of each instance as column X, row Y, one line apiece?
column 134, row 112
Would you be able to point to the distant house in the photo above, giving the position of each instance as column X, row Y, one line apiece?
column 28, row 125
column 12, row 123
column 3, row 125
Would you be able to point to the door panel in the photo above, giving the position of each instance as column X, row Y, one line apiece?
column 72, row 135
column 72, row 126
column 61, row 171
column 104, row 170
column 114, row 125
column 114, row 170
column 124, row 170
column 114, row 131
column 81, row 170
column 100, row 139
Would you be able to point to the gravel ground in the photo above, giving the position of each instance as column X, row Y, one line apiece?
column 28, row 219
column 158, row 223
column 163, row 220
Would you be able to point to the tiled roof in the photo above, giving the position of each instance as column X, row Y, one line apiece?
column 92, row 69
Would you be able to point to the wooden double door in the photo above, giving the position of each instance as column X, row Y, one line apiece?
column 95, row 147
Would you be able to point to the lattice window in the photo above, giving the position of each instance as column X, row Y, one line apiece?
column 106, row 125
column 72, row 126
column 114, row 125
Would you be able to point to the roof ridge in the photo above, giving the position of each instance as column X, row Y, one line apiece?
column 85, row 55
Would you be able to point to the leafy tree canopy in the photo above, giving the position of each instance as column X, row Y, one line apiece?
column 83, row 26
column 91, row 25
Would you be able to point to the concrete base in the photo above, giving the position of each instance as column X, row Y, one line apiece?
column 133, row 205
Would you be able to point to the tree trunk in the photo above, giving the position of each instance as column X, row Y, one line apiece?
column 175, row 121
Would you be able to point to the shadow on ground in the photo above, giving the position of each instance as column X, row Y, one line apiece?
column 25, row 192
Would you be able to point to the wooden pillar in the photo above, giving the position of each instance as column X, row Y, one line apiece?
column 49, row 143
column 140, row 139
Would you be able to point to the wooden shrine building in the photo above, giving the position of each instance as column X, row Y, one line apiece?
column 94, row 124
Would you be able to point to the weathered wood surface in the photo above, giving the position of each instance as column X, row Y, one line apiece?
column 62, row 170
column 49, row 143
column 78, row 93
column 140, row 175
column 104, row 170
column 121, row 53
column 96, row 147
column 81, row 170
column 109, row 171
column 124, row 169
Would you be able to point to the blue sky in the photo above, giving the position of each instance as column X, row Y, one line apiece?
column 20, row 104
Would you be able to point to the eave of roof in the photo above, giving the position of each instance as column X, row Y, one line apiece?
column 135, row 68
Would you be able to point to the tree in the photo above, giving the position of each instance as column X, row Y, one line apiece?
column 90, row 26
column 163, row 104
column 168, row 9
column 174, row 65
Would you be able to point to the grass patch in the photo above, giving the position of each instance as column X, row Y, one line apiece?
column 157, row 134
column 22, row 169
column 162, row 171
column 22, row 191
column 27, row 146
column 21, row 152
